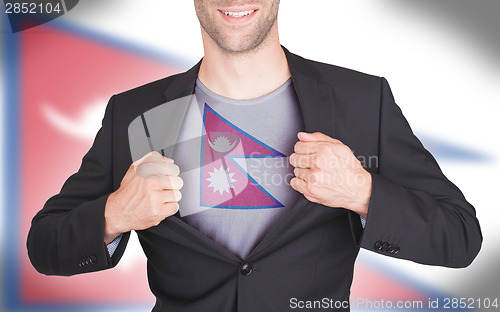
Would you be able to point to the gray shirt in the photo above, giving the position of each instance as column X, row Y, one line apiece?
column 235, row 165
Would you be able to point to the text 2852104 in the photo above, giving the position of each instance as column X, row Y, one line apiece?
column 32, row 8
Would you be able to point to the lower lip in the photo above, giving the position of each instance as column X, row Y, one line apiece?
column 237, row 20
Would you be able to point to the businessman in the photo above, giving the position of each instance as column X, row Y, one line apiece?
column 219, row 232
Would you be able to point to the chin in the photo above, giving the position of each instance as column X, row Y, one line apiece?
column 239, row 45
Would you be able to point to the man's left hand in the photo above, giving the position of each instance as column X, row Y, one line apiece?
column 327, row 172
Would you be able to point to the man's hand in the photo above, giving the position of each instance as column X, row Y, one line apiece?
column 327, row 172
column 148, row 193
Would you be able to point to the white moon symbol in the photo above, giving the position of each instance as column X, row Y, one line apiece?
column 84, row 126
column 221, row 144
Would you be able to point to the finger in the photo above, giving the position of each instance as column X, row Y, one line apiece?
column 132, row 170
column 152, row 156
column 171, row 196
column 311, row 176
column 157, row 169
column 303, row 147
column 316, row 137
column 164, row 183
column 171, row 208
column 168, row 160
column 298, row 184
column 301, row 173
column 172, row 169
column 172, row 183
column 302, row 161
column 301, row 186
column 143, row 158
column 157, row 157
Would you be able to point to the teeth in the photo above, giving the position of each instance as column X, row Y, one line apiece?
column 239, row 14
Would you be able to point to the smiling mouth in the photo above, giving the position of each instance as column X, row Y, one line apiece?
column 238, row 14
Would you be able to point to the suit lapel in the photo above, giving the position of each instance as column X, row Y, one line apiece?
column 183, row 84
column 178, row 96
column 158, row 128
column 316, row 98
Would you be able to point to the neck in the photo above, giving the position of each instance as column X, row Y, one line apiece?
column 244, row 76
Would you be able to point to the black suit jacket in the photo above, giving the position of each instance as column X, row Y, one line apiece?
column 414, row 213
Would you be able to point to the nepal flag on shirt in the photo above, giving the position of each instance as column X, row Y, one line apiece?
column 225, row 179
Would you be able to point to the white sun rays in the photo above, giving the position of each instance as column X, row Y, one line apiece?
column 221, row 180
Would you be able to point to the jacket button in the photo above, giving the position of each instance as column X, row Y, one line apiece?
column 83, row 263
column 385, row 245
column 395, row 249
column 378, row 245
column 246, row 269
column 390, row 248
column 93, row 260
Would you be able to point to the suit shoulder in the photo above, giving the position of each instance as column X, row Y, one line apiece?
column 148, row 90
column 130, row 104
column 339, row 74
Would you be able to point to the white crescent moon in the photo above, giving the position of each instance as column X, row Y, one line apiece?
column 221, row 149
column 84, row 126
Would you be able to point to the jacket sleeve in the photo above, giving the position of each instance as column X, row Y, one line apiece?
column 415, row 212
column 67, row 236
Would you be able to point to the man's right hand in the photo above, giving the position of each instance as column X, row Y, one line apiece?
column 149, row 193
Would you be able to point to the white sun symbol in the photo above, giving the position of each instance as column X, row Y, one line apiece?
column 221, row 180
